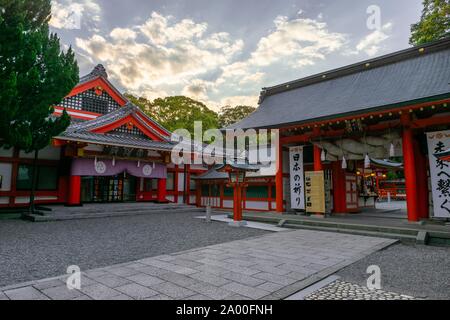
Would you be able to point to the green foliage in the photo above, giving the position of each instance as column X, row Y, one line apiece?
column 34, row 75
column 434, row 23
column 177, row 112
column 230, row 115
column 181, row 112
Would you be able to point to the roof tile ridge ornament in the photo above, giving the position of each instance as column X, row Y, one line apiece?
column 99, row 70
column 262, row 95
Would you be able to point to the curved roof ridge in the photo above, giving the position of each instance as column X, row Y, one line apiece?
column 101, row 120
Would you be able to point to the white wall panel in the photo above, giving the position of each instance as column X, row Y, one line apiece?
column 257, row 205
column 6, row 173
column 4, row 200
column 7, row 153
column 48, row 153
column 181, row 182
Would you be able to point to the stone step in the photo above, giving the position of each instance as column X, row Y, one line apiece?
column 405, row 234
column 402, row 237
column 87, row 210
column 77, row 216
column 336, row 225
column 353, row 226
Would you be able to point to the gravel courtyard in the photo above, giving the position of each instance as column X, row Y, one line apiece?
column 419, row 271
column 30, row 251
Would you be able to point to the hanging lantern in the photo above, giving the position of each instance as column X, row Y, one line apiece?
column 367, row 161
column 114, row 161
column 344, row 163
column 323, row 155
column 392, row 151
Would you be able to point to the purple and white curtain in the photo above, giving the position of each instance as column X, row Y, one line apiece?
column 102, row 167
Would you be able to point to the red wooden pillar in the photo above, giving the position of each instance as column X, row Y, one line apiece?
column 187, row 185
column 162, row 190
column 279, row 179
column 74, row 198
column 237, row 205
column 317, row 152
column 338, row 187
column 410, row 170
column 222, row 194
column 14, row 174
column 175, row 184
column 317, row 161
column 422, row 182
column 63, row 189
column 270, row 195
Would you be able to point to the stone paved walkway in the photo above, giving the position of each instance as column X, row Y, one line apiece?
column 272, row 266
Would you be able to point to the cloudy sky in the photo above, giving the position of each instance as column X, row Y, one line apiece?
column 224, row 51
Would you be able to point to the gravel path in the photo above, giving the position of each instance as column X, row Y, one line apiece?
column 30, row 251
column 341, row 290
column 419, row 271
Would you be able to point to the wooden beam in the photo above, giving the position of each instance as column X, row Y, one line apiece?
column 374, row 114
column 336, row 133
column 428, row 122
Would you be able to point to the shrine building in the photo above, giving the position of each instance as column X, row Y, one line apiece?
column 111, row 152
column 358, row 125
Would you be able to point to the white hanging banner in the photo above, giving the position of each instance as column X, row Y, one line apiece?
column 440, row 173
column 297, row 180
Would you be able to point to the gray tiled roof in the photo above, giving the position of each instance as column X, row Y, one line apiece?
column 121, row 140
column 111, row 117
column 386, row 163
column 239, row 166
column 82, row 131
column 408, row 75
column 213, row 174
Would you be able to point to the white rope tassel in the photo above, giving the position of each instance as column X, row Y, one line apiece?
column 323, row 155
column 344, row 163
column 392, row 151
column 139, row 164
column 367, row 161
column 95, row 161
column 154, row 165
column 114, row 161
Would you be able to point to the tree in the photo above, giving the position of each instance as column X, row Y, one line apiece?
column 434, row 23
column 178, row 112
column 34, row 76
column 230, row 115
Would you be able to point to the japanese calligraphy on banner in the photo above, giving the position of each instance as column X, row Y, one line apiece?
column 440, row 173
column 297, row 184
column 315, row 191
